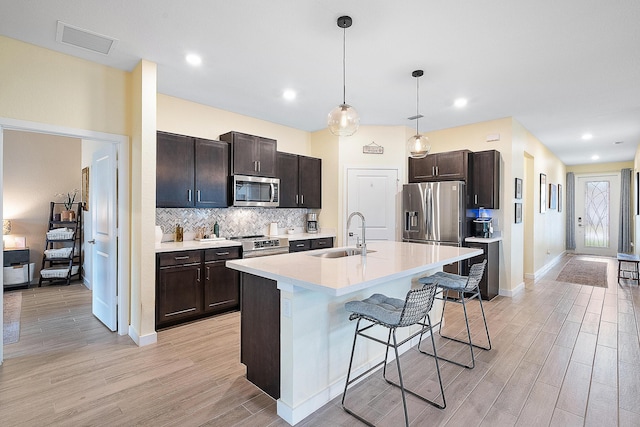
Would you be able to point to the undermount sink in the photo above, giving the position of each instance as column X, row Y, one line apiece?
column 340, row 253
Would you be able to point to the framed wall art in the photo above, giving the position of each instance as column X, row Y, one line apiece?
column 553, row 196
column 518, row 213
column 543, row 193
column 559, row 197
column 518, row 188
column 85, row 188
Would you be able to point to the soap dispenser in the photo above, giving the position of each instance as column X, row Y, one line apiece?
column 216, row 229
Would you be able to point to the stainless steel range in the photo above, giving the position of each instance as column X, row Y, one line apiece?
column 255, row 246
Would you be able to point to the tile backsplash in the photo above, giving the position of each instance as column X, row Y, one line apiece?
column 232, row 221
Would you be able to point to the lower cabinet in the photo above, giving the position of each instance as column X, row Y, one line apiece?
column 221, row 284
column 194, row 284
column 490, row 283
column 309, row 244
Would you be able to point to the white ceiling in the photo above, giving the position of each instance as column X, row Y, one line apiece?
column 562, row 68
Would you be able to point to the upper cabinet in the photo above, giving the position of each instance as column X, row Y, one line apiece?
column 191, row 172
column 484, row 191
column 251, row 155
column 300, row 181
column 448, row 166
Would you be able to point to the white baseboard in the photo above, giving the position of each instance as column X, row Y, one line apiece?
column 512, row 292
column 141, row 341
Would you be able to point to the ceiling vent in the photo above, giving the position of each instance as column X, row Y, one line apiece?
column 84, row 39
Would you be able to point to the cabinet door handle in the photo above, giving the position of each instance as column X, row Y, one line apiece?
column 296, row 199
column 433, row 170
column 208, row 269
column 198, row 195
column 258, row 165
column 475, row 198
column 189, row 195
column 437, row 170
column 321, row 243
column 300, row 245
column 222, row 253
column 179, row 258
column 198, row 279
column 302, row 199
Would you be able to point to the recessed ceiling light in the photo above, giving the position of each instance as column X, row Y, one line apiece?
column 289, row 94
column 587, row 136
column 460, row 102
column 595, row 157
column 193, row 59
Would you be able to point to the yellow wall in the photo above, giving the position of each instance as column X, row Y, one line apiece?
column 189, row 118
column 36, row 168
column 599, row 167
column 44, row 86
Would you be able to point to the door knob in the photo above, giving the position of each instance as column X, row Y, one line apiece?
column 92, row 241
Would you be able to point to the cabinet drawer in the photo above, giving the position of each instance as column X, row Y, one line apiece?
column 179, row 258
column 16, row 256
column 299, row 245
column 326, row 242
column 218, row 254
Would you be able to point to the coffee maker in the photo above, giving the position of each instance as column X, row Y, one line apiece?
column 312, row 223
column 482, row 227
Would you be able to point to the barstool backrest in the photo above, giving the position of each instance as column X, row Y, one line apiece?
column 475, row 275
column 417, row 304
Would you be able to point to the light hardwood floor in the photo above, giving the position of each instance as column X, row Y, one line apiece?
column 563, row 355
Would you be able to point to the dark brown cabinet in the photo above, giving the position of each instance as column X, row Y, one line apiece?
column 300, row 181
column 251, row 155
column 490, row 283
column 191, row 172
column 260, row 332
column 448, row 166
column 221, row 284
column 310, row 244
column 484, row 191
column 193, row 284
column 179, row 287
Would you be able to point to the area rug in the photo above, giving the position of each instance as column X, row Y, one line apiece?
column 583, row 272
column 11, row 317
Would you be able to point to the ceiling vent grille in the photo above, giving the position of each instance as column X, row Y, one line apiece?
column 84, row 39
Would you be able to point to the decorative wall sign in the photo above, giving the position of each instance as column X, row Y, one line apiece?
column 373, row 148
column 543, row 193
column 518, row 214
column 553, row 196
column 518, row 188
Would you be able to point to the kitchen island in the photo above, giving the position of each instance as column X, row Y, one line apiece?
column 310, row 328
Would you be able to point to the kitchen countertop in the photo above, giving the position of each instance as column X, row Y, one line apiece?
column 384, row 262
column 483, row 239
column 305, row 236
column 194, row 244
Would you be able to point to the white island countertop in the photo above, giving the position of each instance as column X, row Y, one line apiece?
column 385, row 261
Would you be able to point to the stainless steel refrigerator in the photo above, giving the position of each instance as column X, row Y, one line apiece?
column 434, row 212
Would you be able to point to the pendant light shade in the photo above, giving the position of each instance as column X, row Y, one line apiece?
column 418, row 145
column 344, row 119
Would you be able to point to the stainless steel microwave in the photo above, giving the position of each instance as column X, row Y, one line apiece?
column 255, row 191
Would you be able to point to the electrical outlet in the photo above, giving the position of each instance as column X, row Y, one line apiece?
column 286, row 307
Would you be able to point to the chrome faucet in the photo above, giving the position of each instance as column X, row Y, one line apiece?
column 362, row 245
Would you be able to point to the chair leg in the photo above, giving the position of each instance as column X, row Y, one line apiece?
column 484, row 319
column 404, row 398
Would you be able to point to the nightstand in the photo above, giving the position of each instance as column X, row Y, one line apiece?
column 17, row 258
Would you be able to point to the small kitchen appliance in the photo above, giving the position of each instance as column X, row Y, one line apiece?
column 482, row 227
column 312, row 223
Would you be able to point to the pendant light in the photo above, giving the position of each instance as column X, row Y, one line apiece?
column 344, row 119
column 418, row 145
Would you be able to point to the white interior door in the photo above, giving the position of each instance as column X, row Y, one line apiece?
column 372, row 192
column 103, row 208
column 597, row 214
